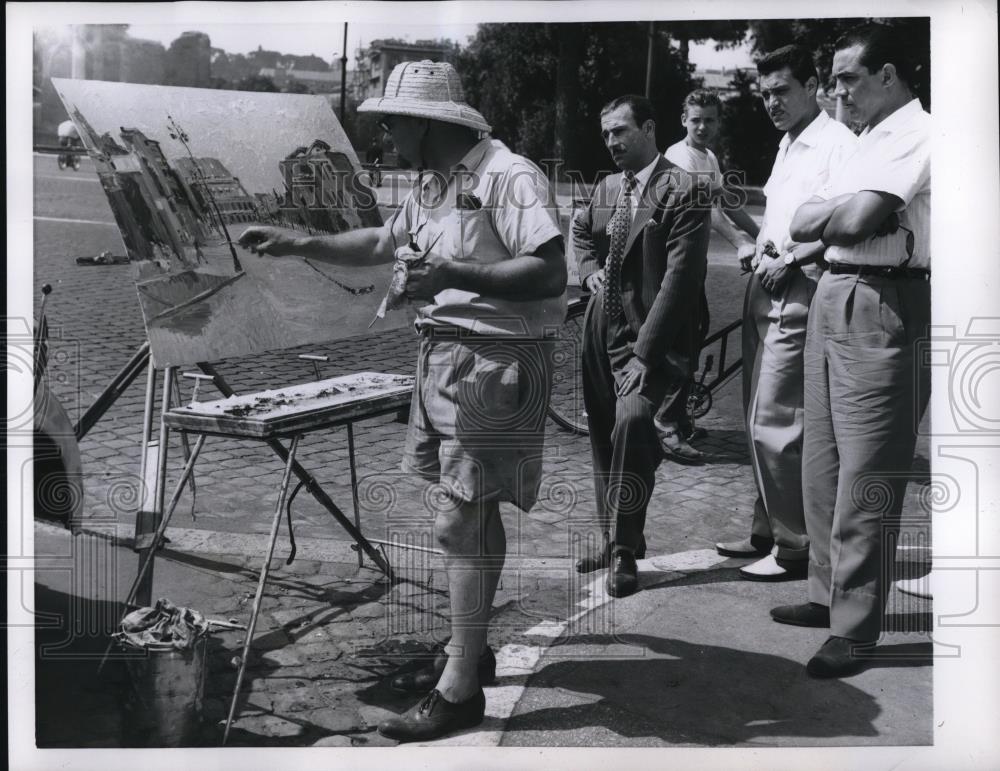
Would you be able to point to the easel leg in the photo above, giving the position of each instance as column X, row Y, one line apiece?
column 184, row 443
column 147, row 501
column 148, row 552
column 265, row 569
column 113, row 390
column 162, row 528
column 354, row 486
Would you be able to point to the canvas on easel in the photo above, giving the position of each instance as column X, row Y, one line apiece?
column 186, row 170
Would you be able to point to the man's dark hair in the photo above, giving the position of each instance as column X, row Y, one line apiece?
column 880, row 45
column 797, row 58
column 641, row 107
column 702, row 97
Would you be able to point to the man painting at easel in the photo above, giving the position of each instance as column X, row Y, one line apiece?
column 483, row 250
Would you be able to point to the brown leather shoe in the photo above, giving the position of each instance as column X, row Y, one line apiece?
column 425, row 678
column 623, row 575
column 601, row 560
column 807, row 614
column 434, row 717
column 838, row 657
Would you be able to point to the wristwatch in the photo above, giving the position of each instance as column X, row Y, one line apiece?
column 790, row 260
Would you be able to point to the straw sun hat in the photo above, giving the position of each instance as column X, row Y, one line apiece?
column 426, row 90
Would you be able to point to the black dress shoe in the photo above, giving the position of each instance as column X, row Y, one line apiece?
column 425, row 678
column 623, row 575
column 434, row 717
column 838, row 657
column 601, row 560
column 806, row 614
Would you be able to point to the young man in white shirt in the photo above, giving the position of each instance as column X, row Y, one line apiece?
column 702, row 119
column 866, row 381
column 813, row 147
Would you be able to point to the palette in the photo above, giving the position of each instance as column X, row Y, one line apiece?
column 297, row 409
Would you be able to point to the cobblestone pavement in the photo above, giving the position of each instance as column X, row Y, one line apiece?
column 328, row 631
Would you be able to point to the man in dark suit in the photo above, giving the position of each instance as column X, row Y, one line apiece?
column 642, row 246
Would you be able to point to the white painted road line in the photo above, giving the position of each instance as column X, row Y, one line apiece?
column 67, row 178
column 76, row 222
column 522, row 660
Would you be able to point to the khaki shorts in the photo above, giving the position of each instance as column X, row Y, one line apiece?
column 477, row 420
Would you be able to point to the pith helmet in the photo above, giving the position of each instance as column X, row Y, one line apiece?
column 426, row 90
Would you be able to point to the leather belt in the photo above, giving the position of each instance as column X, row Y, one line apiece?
column 883, row 271
column 448, row 332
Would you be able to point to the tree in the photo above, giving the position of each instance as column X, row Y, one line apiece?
column 297, row 87
column 820, row 36
column 542, row 86
column 571, row 39
column 749, row 140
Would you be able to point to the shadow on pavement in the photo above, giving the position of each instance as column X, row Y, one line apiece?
column 723, row 447
column 74, row 707
column 684, row 693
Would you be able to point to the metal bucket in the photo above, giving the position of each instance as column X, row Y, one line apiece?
column 166, row 687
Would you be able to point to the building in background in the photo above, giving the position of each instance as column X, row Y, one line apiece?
column 291, row 78
column 374, row 63
column 721, row 81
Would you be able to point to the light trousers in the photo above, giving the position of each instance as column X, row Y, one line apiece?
column 866, row 389
column 774, row 338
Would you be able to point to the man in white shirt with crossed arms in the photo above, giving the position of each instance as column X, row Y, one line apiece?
column 866, row 385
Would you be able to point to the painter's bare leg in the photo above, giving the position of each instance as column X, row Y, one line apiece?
column 473, row 540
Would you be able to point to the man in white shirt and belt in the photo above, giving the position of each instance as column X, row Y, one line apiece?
column 866, row 387
column 813, row 148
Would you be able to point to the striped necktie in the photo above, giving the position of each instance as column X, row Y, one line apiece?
column 618, row 228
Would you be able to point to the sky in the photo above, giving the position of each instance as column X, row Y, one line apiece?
column 327, row 40
column 323, row 40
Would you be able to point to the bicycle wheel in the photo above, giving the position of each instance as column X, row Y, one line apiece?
column 699, row 400
column 566, row 401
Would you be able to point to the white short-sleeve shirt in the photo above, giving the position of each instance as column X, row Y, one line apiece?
column 801, row 169
column 494, row 206
column 695, row 161
column 893, row 157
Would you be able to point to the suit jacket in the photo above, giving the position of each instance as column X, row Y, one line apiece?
column 665, row 260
